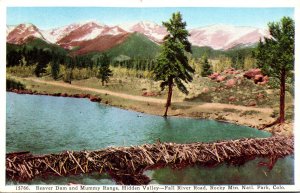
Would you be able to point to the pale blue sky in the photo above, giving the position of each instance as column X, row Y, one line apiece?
column 50, row 17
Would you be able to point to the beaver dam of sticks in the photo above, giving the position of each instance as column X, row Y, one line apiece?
column 126, row 165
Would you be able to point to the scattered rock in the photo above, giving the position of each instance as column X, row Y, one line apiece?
column 220, row 78
column 205, row 90
column 214, row 75
column 266, row 78
column 264, row 81
column 251, row 103
column 230, row 83
column 260, row 96
column 230, row 71
column 232, row 99
column 258, row 78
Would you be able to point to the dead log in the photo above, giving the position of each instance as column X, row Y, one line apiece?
column 126, row 165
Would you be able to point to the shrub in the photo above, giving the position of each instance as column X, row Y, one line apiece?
column 13, row 84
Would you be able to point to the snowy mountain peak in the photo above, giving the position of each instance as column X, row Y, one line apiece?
column 57, row 34
column 26, row 26
column 150, row 29
column 22, row 32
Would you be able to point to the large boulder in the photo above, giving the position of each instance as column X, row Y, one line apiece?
column 257, row 76
column 250, row 74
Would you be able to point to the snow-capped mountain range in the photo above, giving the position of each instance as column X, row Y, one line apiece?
column 219, row 37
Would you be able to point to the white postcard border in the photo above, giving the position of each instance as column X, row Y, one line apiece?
column 147, row 3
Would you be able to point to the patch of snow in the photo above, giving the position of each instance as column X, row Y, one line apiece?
column 54, row 35
column 114, row 31
column 150, row 29
column 158, row 36
column 223, row 36
column 92, row 35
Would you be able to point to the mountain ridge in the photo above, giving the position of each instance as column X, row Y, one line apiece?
column 218, row 36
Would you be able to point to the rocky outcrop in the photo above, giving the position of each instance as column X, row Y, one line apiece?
column 257, row 76
column 232, row 75
column 250, row 74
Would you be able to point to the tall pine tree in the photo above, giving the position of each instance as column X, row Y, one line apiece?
column 275, row 56
column 172, row 66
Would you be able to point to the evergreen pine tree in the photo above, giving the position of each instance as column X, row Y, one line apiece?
column 104, row 72
column 172, row 63
column 275, row 56
column 55, row 68
column 68, row 76
column 42, row 59
column 206, row 67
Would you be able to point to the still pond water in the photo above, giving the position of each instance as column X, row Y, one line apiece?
column 45, row 124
